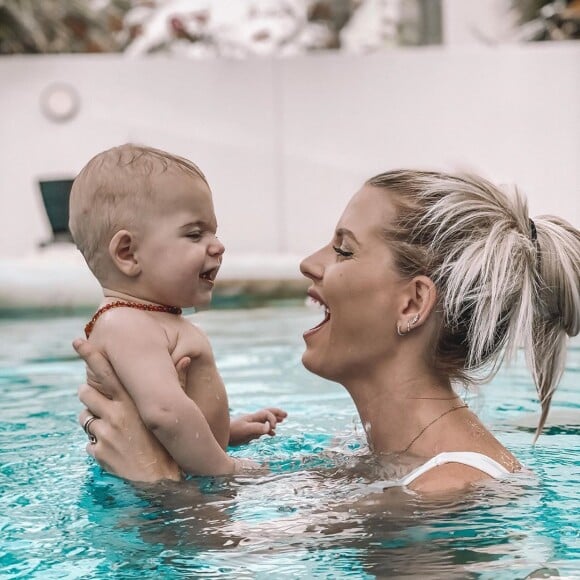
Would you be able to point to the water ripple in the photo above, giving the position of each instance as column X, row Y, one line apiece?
column 314, row 515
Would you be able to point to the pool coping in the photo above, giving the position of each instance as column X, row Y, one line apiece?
column 57, row 278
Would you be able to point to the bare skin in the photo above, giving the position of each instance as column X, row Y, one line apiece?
column 170, row 255
column 404, row 405
column 135, row 453
column 125, row 447
column 389, row 377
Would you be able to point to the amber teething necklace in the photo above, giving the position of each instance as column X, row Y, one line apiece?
column 137, row 305
column 464, row 406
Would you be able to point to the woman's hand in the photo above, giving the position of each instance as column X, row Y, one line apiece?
column 248, row 427
column 124, row 446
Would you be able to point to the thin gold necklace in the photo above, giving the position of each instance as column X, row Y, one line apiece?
column 464, row 406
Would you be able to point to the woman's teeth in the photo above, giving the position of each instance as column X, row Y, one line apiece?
column 315, row 304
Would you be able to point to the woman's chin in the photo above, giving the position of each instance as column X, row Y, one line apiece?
column 310, row 364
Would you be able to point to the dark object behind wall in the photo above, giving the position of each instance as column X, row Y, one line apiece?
column 421, row 22
column 55, row 195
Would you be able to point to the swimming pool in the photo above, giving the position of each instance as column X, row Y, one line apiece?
column 62, row 517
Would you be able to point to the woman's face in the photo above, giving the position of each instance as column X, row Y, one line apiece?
column 355, row 279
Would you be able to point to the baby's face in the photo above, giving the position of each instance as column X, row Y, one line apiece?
column 177, row 247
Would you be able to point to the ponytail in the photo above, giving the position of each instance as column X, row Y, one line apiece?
column 503, row 281
column 557, row 314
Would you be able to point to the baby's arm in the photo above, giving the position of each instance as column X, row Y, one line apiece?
column 137, row 347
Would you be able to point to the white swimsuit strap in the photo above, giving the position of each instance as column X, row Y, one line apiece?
column 470, row 458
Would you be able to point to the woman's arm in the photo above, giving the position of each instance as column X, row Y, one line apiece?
column 124, row 446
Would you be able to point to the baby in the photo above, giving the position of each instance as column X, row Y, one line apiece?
column 145, row 224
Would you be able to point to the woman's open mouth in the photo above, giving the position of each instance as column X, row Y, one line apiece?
column 314, row 301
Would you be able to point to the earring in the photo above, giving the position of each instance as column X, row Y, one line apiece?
column 410, row 323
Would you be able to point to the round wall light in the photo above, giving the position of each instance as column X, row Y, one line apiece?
column 60, row 102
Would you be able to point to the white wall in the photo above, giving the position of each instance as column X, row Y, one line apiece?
column 284, row 143
column 478, row 21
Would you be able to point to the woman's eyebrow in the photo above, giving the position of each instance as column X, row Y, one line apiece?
column 344, row 232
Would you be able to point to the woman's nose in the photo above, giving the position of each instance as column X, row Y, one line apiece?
column 312, row 266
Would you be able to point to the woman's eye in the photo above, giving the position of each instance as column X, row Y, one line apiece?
column 341, row 252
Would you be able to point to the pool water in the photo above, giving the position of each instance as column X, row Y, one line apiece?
column 313, row 515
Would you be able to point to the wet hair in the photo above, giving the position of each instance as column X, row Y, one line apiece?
column 503, row 280
column 112, row 192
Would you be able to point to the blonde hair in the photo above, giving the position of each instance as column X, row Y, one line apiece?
column 112, row 191
column 503, row 280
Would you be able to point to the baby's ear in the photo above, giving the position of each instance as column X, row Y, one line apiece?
column 122, row 252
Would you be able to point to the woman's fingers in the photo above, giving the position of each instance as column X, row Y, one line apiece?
column 97, row 404
column 84, row 415
column 114, row 453
column 100, row 373
column 95, row 429
column 182, row 367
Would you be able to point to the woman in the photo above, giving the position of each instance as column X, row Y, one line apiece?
column 430, row 280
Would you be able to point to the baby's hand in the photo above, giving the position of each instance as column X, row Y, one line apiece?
column 247, row 427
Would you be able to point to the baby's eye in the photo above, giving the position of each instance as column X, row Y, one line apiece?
column 341, row 252
column 195, row 236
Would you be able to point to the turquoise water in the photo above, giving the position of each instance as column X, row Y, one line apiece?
column 312, row 516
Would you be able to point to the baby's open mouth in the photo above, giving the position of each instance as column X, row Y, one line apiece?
column 314, row 301
column 210, row 275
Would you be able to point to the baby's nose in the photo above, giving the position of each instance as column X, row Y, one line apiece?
column 216, row 248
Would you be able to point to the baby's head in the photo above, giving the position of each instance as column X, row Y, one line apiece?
column 132, row 210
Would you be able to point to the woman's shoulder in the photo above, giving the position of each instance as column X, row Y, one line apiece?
column 451, row 471
column 447, row 478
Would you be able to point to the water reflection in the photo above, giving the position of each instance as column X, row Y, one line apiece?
column 317, row 512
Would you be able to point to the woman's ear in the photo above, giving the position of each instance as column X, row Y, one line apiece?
column 420, row 300
column 122, row 251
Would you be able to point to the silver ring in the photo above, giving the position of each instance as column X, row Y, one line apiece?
column 86, row 425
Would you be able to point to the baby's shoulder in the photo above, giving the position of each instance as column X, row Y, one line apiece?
column 191, row 340
column 126, row 323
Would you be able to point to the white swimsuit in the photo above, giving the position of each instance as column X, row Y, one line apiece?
column 470, row 458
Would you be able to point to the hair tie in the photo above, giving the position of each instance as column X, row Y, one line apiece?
column 534, row 232
column 534, row 236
